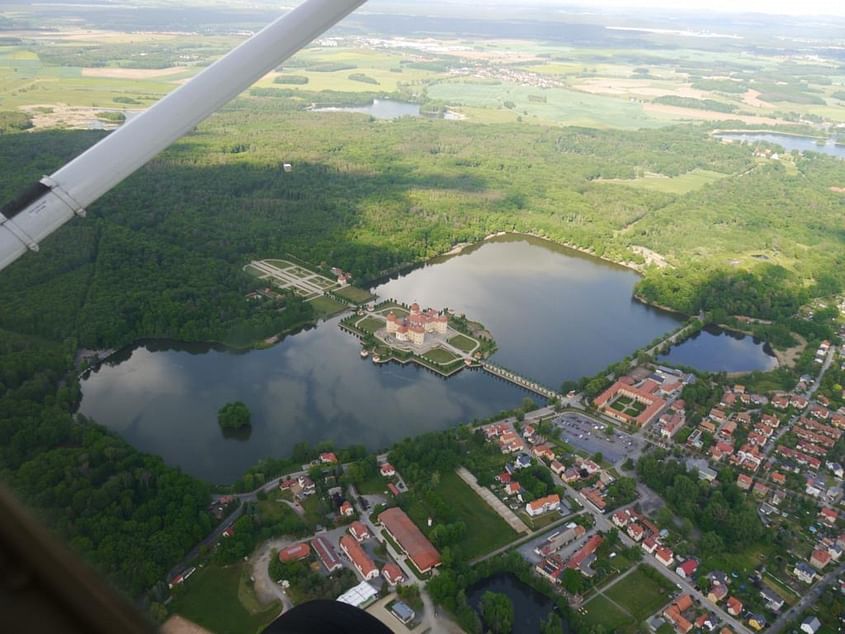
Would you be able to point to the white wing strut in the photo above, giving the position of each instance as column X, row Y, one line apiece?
column 57, row 198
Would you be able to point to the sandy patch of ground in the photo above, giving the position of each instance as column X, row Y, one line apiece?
column 60, row 115
column 706, row 115
column 838, row 190
column 84, row 35
column 651, row 257
column 788, row 358
column 752, row 98
column 623, row 86
column 133, row 73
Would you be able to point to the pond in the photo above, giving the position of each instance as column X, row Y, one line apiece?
column 530, row 608
column 555, row 315
column 380, row 109
column 718, row 350
column 788, row 141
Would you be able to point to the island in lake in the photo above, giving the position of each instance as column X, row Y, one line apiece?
column 439, row 340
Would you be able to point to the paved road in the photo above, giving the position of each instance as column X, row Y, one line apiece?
column 806, row 601
column 493, row 502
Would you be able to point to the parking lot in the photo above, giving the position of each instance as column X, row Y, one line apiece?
column 526, row 550
column 590, row 436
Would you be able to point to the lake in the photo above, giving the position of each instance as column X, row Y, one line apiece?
column 788, row 142
column 555, row 315
column 717, row 350
column 380, row 109
column 530, row 608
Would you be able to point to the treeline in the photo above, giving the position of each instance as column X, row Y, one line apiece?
column 722, row 510
column 127, row 513
column 698, row 104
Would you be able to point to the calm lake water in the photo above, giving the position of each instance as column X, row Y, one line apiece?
column 380, row 109
column 530, row 608
column 554, row 313
column 716, row 350
column 789, row 142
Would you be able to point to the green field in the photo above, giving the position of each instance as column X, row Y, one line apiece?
column 441, row 356
column 602, row 613
column 217, row 599
column 370, row 324
column 463, row 343
column 354, row 294
column 683, row 184
column 485, row 530
column 326, row 306
column 640, row 594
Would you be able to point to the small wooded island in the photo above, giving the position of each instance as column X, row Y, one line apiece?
column 233, row 416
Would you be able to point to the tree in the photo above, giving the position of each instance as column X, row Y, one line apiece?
column 497, row 612
column 234, row 415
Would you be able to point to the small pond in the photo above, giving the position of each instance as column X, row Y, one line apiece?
column 718, row 350
column 530, row 608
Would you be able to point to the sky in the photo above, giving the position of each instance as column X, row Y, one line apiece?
column 776, row 7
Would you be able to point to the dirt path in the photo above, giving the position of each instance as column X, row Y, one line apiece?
column 266, row 589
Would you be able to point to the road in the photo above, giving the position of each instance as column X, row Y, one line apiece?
column 604, row 525
column 806, row 601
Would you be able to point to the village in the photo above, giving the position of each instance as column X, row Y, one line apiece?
column 568, row 484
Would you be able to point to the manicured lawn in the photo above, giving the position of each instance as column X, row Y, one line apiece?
column 441, row 356
column 370, row 324
column 326, row 306
column 354, row 294
column 215, row 598
column 641, row 595
column 463, row 343
column 601, row 612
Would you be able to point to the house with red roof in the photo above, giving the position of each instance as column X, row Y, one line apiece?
column 543, row 505
column 359, row 558
column 557, row 468
column 687, row 569
column 734, row 606
column 386, row 470
column 744, row 481
column 328, row 458
column 644, row 395
column 504, row 477
column 819, row 559
column 650, row 544
column 664, row 556
column 675, row 613
column 828, row 516
column 392, row 574
column 635, row 531
column 394, row 491
column 410, row 539
column 346, row 509
column 294, row 552
column 359, row 531
column 514, row 488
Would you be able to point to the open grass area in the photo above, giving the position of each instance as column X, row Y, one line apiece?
column 370, row 324
column 441, row 356
column 601, row 612
column 743, row 562
column 683, row 184
column 220, row 600
column 326, row 306
column 463, row 343
column 354, row 294
column 486, row 531
column 640, row 594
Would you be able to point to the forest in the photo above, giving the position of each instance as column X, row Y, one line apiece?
column 162, row 256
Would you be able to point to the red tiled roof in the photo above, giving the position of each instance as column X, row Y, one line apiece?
column 295, row 552
column 392, row 573
column 421, row 551
column 361, row 559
